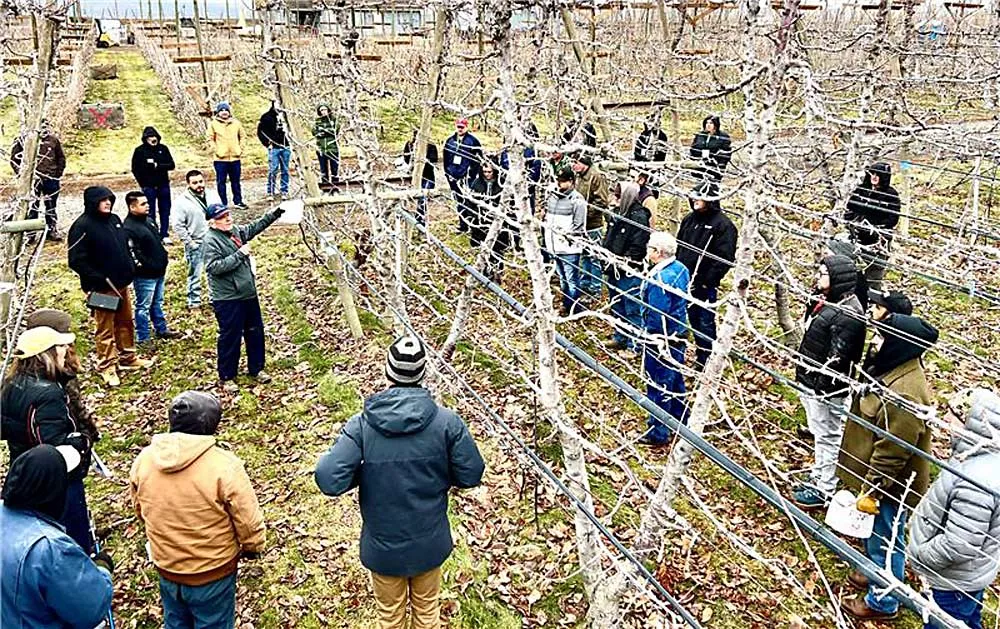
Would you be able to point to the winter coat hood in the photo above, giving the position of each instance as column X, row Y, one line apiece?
column 320, row 107
column 712, row 118
column 174, row 451
column 904, row 339
column 195, row 413
column 707, row 191
column 400, row 411
column 983, row 424
column 843, row 276
column 627, row 193
column 37, row 481
column 93, row 195
column 150, row 132
column 884, row 172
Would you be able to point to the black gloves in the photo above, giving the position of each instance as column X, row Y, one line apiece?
column 278, row 211
column 250, row 554
column 103, row 560
column 80, row 442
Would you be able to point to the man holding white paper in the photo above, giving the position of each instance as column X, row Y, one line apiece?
column 232, row 285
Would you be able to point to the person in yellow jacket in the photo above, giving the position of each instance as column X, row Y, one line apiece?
column 200, row 512
column 225, row 135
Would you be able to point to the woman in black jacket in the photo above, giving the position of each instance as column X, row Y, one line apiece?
column 871, row 216
column 712, row 147
column 627, row 236
column 35, row 411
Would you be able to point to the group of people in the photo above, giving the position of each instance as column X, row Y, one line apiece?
column 201, row 515
column 196, row 500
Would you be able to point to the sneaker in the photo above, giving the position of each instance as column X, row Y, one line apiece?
column 808, row 497
column 241, row 206
column 646, row 440
column 169, row 334
column 230, row 386
column 261, row 376
column 138, row 363
column 54, row 236
column 110, row 377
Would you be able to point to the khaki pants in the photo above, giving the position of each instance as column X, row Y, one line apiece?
column 114, row 340
column 393, row 593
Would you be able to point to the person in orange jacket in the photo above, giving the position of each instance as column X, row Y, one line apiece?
column 200, row 512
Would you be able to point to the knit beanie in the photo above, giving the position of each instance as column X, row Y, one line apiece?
column 223, row 105
column 405, row 361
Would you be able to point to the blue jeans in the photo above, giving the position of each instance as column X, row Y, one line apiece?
column 568, row 267
column 47, row 192
column 277, row 160
column 965, row 607
column 159, row 201
column 196, row 268
column 75, row 516
column 231, row 171
column 623, row 293
column 666, row 390
column 239, row 322
column 208, row 606
column 876, row 548
column 703, row 322
column 148, row 305
column 590, row 279
column 425, row 184
column 329, row 167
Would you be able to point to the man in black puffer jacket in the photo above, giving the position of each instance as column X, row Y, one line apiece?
column 98, row 252
column 151, row 166
column 150, row 258
column 872, row 214
column 712, row 147
column 706, row 245
column 832, row 344
column 627, row 236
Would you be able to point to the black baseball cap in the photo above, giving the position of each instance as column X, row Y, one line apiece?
column 892, row 300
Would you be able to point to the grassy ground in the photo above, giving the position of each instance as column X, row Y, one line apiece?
column 109, row 151
column 310, row 576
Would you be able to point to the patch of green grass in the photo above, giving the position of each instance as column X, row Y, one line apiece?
column 138, row 89
column 338, row 394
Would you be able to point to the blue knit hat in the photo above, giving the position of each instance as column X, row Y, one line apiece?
column 223, row 105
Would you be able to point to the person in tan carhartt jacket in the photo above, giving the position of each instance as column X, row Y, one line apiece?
column 200, row 512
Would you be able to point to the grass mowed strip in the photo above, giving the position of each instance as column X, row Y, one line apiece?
column 138, row 89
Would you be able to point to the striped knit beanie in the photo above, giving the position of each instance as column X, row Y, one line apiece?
column 405, row 361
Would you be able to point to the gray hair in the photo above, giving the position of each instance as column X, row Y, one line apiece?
column 664, row 242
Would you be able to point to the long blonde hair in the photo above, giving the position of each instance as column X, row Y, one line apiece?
column 44, row 366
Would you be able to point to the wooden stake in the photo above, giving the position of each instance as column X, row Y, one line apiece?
column 201, row 51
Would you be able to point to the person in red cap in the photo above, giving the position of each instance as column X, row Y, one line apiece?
column 462, row 155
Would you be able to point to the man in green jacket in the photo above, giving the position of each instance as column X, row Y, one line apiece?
column 231, row 272
column 882, row 472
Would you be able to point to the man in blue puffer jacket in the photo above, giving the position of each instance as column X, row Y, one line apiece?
column 403, row 452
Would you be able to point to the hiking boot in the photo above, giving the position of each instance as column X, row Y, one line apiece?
column 134, row 365
column 54, row 236
column 230, row 386
column 169, row 334
column 857, row 608
column 808, row 498
column 110, row 377
column 858, row 581
column 261, row 376
column 803, row 432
